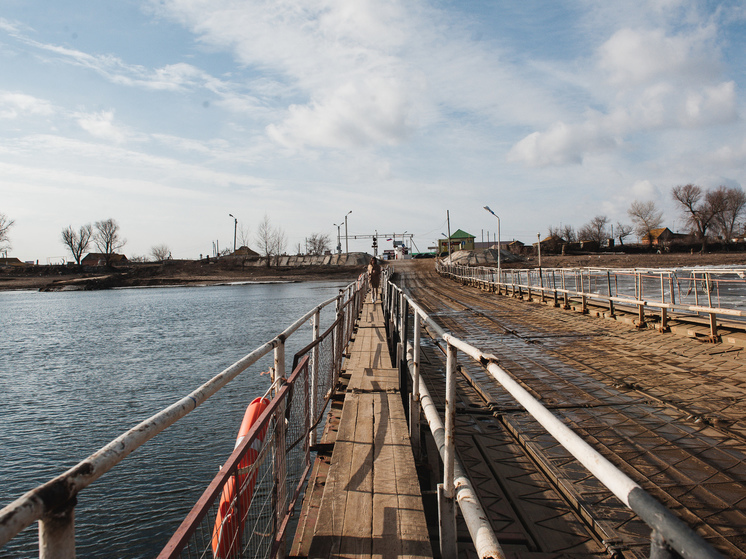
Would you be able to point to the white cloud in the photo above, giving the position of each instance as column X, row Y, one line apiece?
column 645, row 190
column 13, row 105
column 633, row 57
column 101, row 125
column 657, row 81
column 372, row 111
column 711, row 105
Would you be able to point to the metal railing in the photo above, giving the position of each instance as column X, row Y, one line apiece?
column 283, row 456
column 710, row 292
column 670, row 536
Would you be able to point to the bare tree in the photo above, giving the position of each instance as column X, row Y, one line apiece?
column 622, row 230
column 244, row 235
column 567, row 232
column 699, row 208
column 264, row 239
column 645, row 217
column 279, row 242
column 5, row 224
column 160, row 252
column 107, row 238
column 595, row 230
column 731, row 203
column 77, row 242
column 319, row 243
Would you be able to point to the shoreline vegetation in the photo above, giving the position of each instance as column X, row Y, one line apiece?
column 199, row 273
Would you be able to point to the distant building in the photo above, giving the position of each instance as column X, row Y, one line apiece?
column 663, row 236
column 460, row 240
column 94, row 259
column 244, row 252
column 11, row 262
column 516, row 247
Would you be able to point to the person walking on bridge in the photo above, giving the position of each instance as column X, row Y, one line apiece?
column 374, row 274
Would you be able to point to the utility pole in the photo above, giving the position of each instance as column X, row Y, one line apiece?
column 347, row 248
column 235, row 227
column 448, row 219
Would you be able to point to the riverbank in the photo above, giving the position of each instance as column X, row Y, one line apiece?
column 170, row 273
column 186, row 272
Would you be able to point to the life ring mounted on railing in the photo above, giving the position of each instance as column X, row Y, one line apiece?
column 234, row 501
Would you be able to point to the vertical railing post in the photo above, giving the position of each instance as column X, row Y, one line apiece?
column 664, row 310
column 659, row 549
column 566, row 304
column 608, row 284
column 57, row 534
column 401, row 346
column 671, row 282
column 554, row 287
column 713, row 316
column 640, row 301
column 280, row 472
column 414, row 397
column 314, row 376
column 446, row 490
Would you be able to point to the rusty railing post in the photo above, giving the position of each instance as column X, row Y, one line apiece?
column 313, row 381
column 57, row 534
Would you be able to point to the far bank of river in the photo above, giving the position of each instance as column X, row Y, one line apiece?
column 185, row 273
column 173, row 273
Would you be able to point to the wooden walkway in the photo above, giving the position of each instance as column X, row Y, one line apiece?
column 371, row 504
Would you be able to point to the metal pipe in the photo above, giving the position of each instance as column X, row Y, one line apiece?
column 475, row 517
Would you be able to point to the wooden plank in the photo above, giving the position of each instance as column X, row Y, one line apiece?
column 412, row 524
column 356, row 533
column 372, row 505
column 386, row 541
column 328, row 531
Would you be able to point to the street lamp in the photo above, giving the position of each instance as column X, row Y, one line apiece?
column 347, row 248
column 235, row 227
column 339, row 242
column 499, row 246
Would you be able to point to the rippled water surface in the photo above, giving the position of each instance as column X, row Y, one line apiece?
column 79, row 368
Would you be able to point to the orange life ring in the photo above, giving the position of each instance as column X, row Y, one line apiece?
column 226, row 535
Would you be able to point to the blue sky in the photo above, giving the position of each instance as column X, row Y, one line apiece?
column 169, row 115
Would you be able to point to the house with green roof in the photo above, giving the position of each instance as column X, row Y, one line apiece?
column 460, row 240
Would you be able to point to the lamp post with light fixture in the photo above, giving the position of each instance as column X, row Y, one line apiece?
column 235, row 227
column 347, row 248
column 499, row 246
column 339, row 241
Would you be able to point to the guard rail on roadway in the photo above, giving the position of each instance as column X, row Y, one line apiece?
column 712, row 292
column 315, row 371
column 670, row 537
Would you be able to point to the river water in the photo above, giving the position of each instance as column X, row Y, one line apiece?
column 79, row 368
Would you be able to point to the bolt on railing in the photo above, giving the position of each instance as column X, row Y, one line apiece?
column 669, row 534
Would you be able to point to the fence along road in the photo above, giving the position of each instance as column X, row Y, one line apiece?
column 665, row 410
